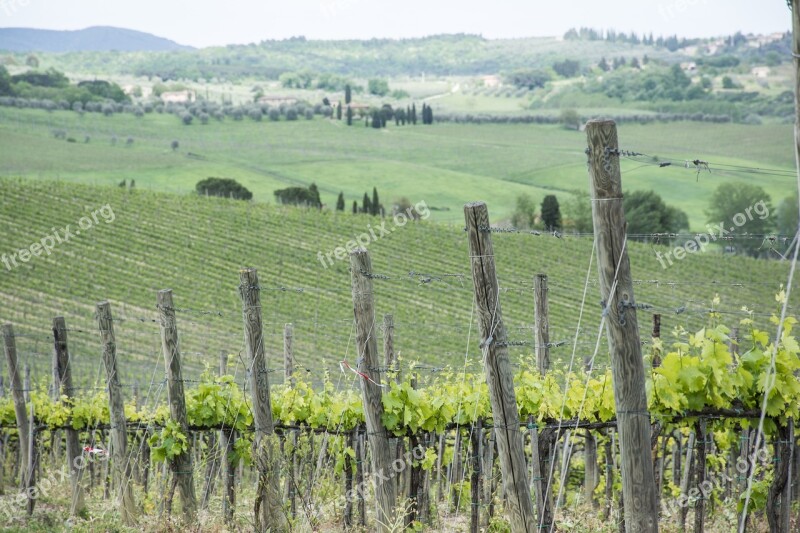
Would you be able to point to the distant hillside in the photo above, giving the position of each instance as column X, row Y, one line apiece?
column 438, row 55
column 94, row 39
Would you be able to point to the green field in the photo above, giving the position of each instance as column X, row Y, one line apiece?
column 196, row 245
column 444, row 165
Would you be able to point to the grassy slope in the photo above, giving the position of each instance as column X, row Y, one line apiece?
column 445, row 165
column 196, row 245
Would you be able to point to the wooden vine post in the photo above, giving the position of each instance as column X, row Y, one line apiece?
column 227, row 440
column 371, row 392
column 116, row 410
column 182, row 464
column 62, row 375
column 388, row 342
column 499, row 376
column 269, row 513
column 622, row 328
column 542, row 444
column 27, row 480
column 541, row 323
column 288, row 379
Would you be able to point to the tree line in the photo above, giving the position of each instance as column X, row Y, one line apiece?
column 647, row 214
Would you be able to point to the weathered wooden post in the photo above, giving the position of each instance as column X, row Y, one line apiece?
column 656, row 335
column 787, row 452
column 541, row 322
column 542, row 444
column 20, row 408
column 388, row 342
column 31, row 459
column 288, row 371
column 622, row 328
column 227, row 439
column 62, row 374
column 700, row 475
column 685, row 477
column 182, row 464
column 116, row 409
column 476, row 435
column 382, row 456
column 499, row 376
column 348, row 481
column 592, row 475
column 288, row 358
column 269, row 513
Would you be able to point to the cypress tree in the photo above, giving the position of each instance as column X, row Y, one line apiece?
column 355, row 207
column 376, row 206
column 349, row 116
column 339, row 111
column 551, row 213
column 367, row 207
column 414, row 114
column 347, row 94
column 314, row 193
column 340, row 202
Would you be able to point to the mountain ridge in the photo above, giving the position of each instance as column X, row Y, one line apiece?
column 91, row 39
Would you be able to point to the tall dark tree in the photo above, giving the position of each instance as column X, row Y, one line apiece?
column 376, row 120
column 367, row 205
column 339, row 111
column 349, row 116
column 603, row 64
column 348, row 95
column 355, row 207
column 414, row 114
column 376, row 205
column 340, row 202
column 314, row 193
column 551, row 213
column 646, row 213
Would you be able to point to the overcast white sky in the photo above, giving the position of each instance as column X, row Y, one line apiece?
column 205, row 23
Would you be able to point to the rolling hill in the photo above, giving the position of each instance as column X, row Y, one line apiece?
column 196, row 245
column 93, row 39
column 446, row 165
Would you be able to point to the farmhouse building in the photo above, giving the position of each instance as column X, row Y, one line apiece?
column 178, row 97
column 277, row 101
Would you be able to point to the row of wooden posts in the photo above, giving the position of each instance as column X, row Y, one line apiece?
column 616, row 288
column 639, row 488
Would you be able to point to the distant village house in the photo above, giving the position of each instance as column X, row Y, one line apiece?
column 178, row 97
column 277, row 101
column 491, row 81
